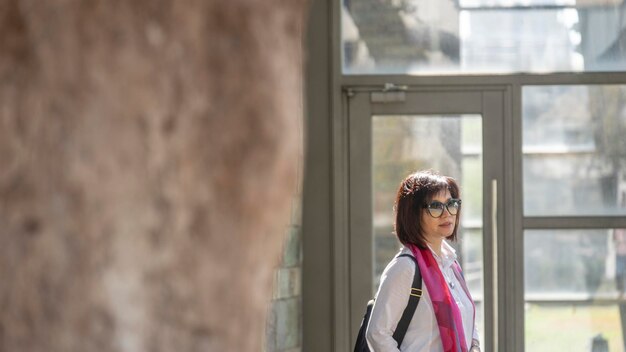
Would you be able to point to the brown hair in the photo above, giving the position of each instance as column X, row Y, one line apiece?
column 414, row 192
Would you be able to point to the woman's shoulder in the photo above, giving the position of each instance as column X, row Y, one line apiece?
column 401, row 264
column 398, row 275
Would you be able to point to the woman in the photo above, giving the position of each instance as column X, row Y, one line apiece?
column 427, row 213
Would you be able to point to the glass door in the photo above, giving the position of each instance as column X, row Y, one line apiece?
column 458, row 133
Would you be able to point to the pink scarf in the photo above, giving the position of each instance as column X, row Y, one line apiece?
column 447, row 312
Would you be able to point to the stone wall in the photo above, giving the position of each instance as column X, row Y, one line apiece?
column 284, row 318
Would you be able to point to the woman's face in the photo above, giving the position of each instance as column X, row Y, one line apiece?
column 436, row 229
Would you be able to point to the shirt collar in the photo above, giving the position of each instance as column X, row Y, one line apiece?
column 448, row 254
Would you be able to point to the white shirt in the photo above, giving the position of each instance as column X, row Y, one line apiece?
column 393, row 294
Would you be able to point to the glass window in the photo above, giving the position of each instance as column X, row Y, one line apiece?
column 573, row 328
column 404, row 144
column 482, row 36
column 569, row 264
column 574, row 150
column 575, row 284
column 449, row 144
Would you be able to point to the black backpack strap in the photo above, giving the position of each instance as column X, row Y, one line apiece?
column 414, row 298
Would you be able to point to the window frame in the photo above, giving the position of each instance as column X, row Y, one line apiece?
column 326, row 242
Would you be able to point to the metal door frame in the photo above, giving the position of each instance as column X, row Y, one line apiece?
column 492, row 103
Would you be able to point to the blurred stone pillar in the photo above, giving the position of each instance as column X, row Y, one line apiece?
column 148, row 160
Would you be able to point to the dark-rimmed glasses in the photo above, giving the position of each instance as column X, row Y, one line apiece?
column 435, row 209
